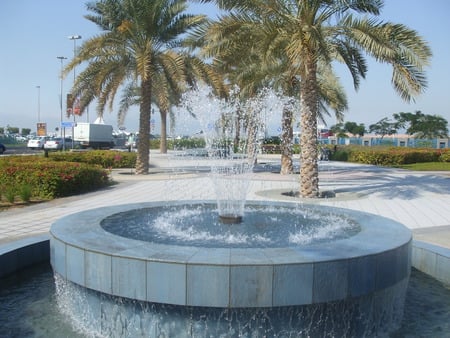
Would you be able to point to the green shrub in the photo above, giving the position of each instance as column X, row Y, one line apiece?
column 49, row 179
column 186, row 143
column 340, row 155
column 10, row 194
column 25, row 192
column 387, row 156
column 154, row 144
column 272, row 140
column 444, row 156
column 107, row 159
column 270, row 149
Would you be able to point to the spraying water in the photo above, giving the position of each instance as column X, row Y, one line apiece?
column 233, row 130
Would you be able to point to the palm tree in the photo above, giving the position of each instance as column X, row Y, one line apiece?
column 167, row 90
column 133, row 47
column 315, row 33
column 331, row 96
column 244, row 63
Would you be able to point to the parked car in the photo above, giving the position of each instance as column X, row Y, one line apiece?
column 2, row 148
column 57, row 143
column 37, row 142
column 20, row 138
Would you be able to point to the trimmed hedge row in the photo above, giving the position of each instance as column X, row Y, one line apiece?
column 105, row 158
column 186, row 143
column 390, row 156
column 177, row 144
column 41, row 178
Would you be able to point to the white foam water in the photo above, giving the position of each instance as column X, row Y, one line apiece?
column 197, row 224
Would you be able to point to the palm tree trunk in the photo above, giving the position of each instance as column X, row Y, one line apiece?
column 143, row 146
column 309, row 168
column 287, row 134
column 163, row 140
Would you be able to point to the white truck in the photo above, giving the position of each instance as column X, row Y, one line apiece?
column 91, row 135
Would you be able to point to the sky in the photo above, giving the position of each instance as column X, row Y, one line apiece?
column 35, row 33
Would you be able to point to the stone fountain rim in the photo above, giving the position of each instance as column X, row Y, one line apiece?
column 371, row 263
column 86, row 224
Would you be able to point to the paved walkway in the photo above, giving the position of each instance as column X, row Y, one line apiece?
column 419, row 200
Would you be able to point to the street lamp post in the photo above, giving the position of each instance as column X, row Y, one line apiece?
column 39, row 103
column 61, row 58
column 74, row 38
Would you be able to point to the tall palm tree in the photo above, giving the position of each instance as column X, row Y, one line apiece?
column 314, row 32
column 133, row 46
column 244, row 63
column 331, row 96
column 252, row 68
column 163, row 98
column 167, row 90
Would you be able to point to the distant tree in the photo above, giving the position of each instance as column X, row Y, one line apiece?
column 384, row 127
column 12, row 130
column 354, row 128
column 422, row 125
column 341, row 129
column 26, row 131
column 2, row 130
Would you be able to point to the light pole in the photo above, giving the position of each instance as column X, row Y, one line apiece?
column 61, row 58
column 74, row 38
column 39, row 103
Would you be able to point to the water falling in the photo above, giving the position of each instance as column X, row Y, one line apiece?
column 233, row 130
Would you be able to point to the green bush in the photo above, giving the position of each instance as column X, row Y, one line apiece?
column 444, row 156
column 270, row 148
column 186, row 143
column 387, row 156
column 154, row 144
column 10, row 194
column 48, row 179
column 340, row 155
column 25, row 192
column 107, row 159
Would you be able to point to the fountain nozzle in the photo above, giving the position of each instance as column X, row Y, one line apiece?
column 230, row 219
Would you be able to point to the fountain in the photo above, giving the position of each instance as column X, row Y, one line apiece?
column 234, row 268
column 232, row 131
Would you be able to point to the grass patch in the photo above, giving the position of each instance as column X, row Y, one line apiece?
column 426, row 166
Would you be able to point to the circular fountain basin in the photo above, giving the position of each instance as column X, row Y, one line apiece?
column 373, row 256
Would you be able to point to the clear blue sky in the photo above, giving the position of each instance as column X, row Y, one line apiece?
column 34, row 33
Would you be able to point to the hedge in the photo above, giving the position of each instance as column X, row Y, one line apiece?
column 390, row 156
column 107, row 159
column 47, row 179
